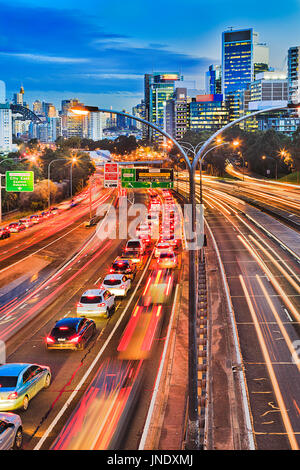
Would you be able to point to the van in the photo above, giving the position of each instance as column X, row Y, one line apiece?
column 136, row 245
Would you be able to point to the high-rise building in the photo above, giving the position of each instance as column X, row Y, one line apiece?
column 5, row 121
column 2, row 92
column 139, row 111
column 159, row 88
column 94, row 126
column 37, row 108
column 18, row 98
column 213, row 80
column 294, row 76
column 242, row 58
column 177, row 114
column 207, row 113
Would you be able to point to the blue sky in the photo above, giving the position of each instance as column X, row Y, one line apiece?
column 99, row 51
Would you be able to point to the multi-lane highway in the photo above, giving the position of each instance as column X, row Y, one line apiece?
column 260, row 256
column 99, row 387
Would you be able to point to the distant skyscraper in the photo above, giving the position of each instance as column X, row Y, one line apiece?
column 213, row 80
column 5, row 121
column 2, row 92
column 177, row 112
column 242, row 58
column 18, row 98
column 294, row 75
column 159, row 88
column 37, row 108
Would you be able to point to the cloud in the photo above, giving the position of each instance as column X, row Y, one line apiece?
column 44, row 58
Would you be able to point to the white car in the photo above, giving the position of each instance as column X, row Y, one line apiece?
column 162, row 247
column 11, row 432
column 135, row 245
column 167, row 260
column 116, row 284
column 96, row 302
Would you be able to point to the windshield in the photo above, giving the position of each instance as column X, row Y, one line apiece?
column 166, row 255
column 112, row 282
column 63, row 331
column 133, row 244
column 8, row 382
column 91, row 299
column 119, row 266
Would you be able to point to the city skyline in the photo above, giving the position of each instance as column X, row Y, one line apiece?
column 107, row 64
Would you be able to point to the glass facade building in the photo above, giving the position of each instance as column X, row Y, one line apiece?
column 159, row 88
column 207, row 112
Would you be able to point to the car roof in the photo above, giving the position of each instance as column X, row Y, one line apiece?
column 13, row 369
column 119, row 259
column 134, row 240
column 92, row 292
column 68, row 321
column 114, row 276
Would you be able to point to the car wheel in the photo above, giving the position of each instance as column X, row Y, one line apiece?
column 18, row 439
column 25, row 403
column 47, row 381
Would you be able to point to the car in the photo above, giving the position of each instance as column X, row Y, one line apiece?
column 15, row 227
column 123, row 266
column 135, row 244
column 167, row 260
column 54, row 210
column 11, row 431
column 170, row 238
column 4, row 233
column 117, row 284
column 35, row 218
column 162, row 247
column 71, row 333
column 96, row 303
column 134, row 256
column 143, row 229
column 92, row 222
column 20, row 382
column 26, row 221
column 158, row 287
column 153, row 219
column 46, row 214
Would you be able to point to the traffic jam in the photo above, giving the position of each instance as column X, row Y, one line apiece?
column 156, row 252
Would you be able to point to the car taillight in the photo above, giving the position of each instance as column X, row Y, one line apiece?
column 122, row 287
column 101, row 305
column 111, row 270
column 75, row 339
column 49, row 339
column 12, row 396
column 79, row 304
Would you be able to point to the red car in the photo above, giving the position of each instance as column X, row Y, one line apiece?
column 4, row 233
column 16, row 227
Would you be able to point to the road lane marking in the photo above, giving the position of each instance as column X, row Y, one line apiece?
column 84, row 378
column 268, row 362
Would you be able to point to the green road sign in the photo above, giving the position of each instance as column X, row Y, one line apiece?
column 147, row 178
column 19, row 181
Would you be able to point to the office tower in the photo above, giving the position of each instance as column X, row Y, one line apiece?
column 2, row 92
column 18, row 98
column 94, row 126
column 5, row 121
column 139, row 111
column 242, row 57
column 49, row 110
column 177, row 113
column 207, row 113
column 159, row 88
column 213, row 80
column 71, row 125
column 294, row 76
column 37, row 108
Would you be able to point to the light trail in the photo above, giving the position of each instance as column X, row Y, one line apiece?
column 272, row 375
